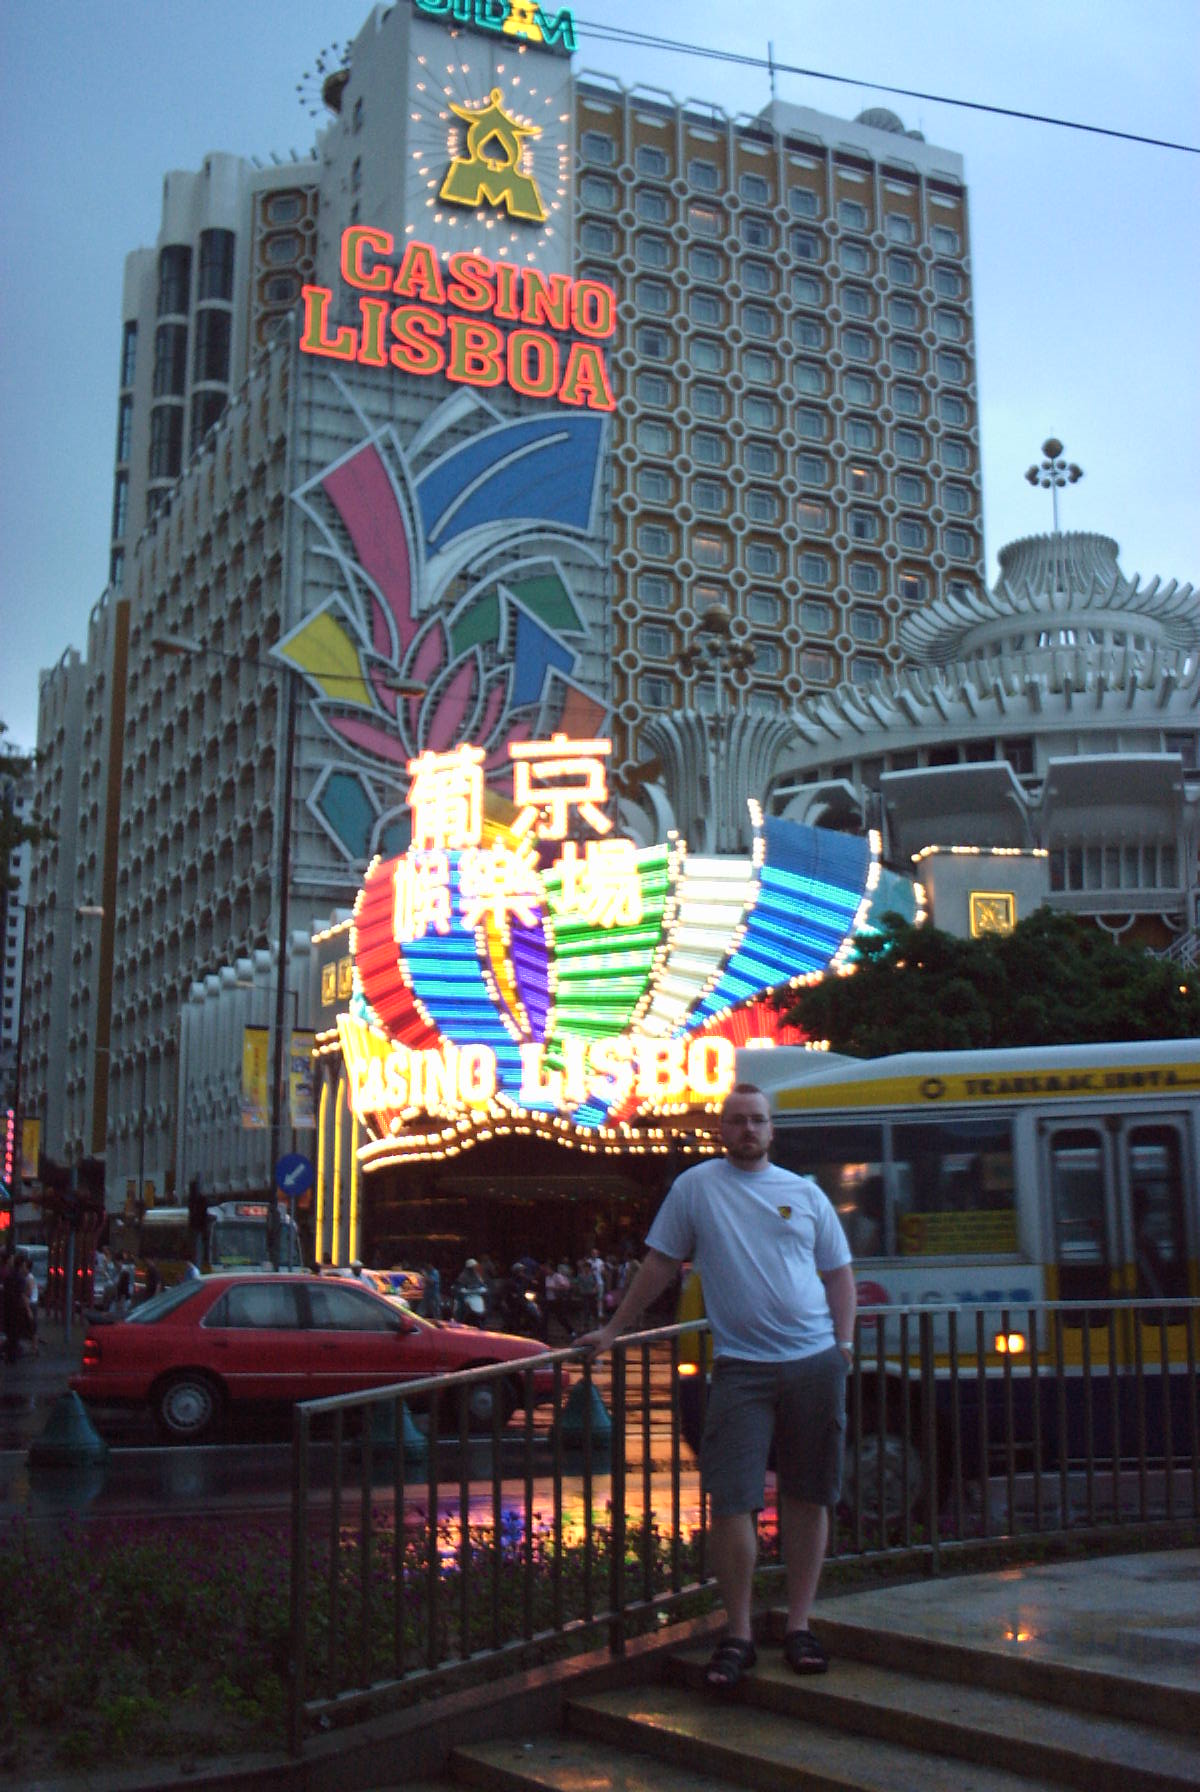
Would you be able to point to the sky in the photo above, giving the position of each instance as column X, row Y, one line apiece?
column 1085, row 253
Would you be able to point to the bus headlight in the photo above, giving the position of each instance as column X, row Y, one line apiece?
column 1009, row 1344
column 689, row 1369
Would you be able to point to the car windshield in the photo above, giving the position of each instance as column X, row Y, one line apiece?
column 167, row 1301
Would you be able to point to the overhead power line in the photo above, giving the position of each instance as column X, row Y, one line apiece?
column 646, row 40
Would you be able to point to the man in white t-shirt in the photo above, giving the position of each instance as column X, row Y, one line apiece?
column 779, row 1291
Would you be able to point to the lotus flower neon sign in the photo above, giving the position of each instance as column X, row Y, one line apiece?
column 510, row 974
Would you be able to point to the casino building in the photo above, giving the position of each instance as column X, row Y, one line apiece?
column 528, row 405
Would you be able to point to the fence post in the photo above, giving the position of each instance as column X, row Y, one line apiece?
column 929, row 1449
column 616, row 1535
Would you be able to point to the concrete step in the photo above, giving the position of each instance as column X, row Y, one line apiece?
column 957, row 1717
column 744, row 1745
column 1133, row 1693
column 570, row 1763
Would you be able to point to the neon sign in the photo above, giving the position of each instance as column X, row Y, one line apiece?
column 491, row 169
column 521, row 19
column 524, row 968
column 448, row 323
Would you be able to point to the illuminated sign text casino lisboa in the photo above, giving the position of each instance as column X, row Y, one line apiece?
column 422, row 319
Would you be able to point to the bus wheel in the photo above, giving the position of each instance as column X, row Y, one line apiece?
column 860, row 1480
column 188, row 1407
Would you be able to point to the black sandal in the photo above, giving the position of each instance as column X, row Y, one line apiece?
column 804, row 1654
column 729, row 1661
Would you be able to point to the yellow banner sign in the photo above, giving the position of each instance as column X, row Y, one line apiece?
column 254, row 1076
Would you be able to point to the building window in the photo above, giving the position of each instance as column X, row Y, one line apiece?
column 704, row 176
column 124, row 427
column 652, row 538
column 284, row 247
column 761, row 557
column 651, row 388
column 756, row 277
column 653, row 591
column 853, row 258
column 856, row 344
column 707, row 355
column 648, row 159
column 652, row 343
column 961, row 589
column 213, row 335
column 651, row 251
column 120, row 508
column 767, row 657
column 597, row 238
column 864, row 525
column 858, row 432
column 595, row 146
column 959, row 543
column 598, row 190
column 864, row 578
column 816, row 666
column 762, row 506
column 856, row 301
column 709, row 495
column 906, row 401
column 706, row 220
column 708, row 449
column 174, row 279
column 805, row 245
column 652, row 206
column 754, row 188
column 170, row 360
column 655, row 640
column 705, row 308
column 653, row 435
column 762, row 606
column 812, row 469
column 281, row 289
column 945, row 239
column 655, row 691
column 951, row 365
column 216, row 264
column 706, row 264
column 759, row 412
column 708, row 401
column 760, row 457
column 207, row 407
column 903, row 313
column 709, row 549
column 654, row 485
column 902, row 270
column 652, row 295
column 808, row 377
column 957, row 499
column 950, row 325
column 864, row 670
column 858, row 389
column 283, row 208
column 948, row 283
column 814, row 570
column 907, row 443
column 166, row 441
column 760, row 367
column 807, row 333
column 756, row 233
column 758, row 320
column 128, row 353
column 912, row 587
column 852, row 214
column 803, row 202
column 866, row 625
column 955, row 454
column 901, row 229
column 910, row 489
column 910, row 533
column 906, row 357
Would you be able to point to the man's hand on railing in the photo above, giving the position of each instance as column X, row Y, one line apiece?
column 655, row 1273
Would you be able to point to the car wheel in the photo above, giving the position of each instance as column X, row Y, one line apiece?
column 483, row 1396
column 860, row 1481
column 188, row 1407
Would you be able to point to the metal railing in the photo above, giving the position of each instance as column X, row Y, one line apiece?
column 424, row 1552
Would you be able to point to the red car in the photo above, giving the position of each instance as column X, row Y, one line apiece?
column 200, row 1348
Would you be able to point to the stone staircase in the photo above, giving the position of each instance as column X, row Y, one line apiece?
column 897, row 1713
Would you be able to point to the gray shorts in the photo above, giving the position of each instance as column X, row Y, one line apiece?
column 802, row 1404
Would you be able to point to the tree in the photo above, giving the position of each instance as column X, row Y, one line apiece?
column 1054, row 980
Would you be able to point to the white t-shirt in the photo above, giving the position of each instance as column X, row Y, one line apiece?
column 758, row 1239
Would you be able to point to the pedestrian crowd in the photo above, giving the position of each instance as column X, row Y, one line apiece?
column 552, row 1300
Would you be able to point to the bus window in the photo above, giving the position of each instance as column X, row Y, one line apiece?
column 955, row 1195
column 1156, row 1201
column 1078, row 1184
column 847, row 1162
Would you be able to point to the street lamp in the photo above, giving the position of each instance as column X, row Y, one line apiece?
column 187, row 648
column 1053, row 473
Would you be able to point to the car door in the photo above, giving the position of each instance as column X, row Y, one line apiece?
column 256, row 1340
column 358, row 1340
